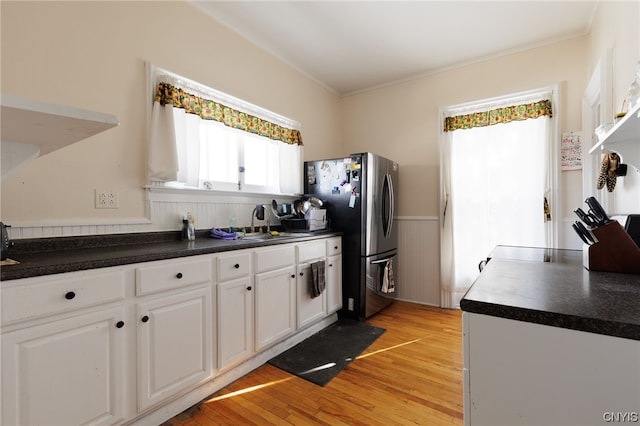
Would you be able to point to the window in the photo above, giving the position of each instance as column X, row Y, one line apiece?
column 202, row 138
column 498, row 181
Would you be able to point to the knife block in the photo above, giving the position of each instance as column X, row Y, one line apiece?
column 615, row 251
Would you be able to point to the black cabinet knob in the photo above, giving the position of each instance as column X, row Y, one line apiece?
column 293, row 275
column 331, row 265
column 237, row 266
column 301, row 274
column 179, row 275
column 249, row 288
column 120, row 324
column 144, row 318
column 335, row 247
column 69, row 295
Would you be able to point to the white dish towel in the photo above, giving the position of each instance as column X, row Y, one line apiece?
column 388, row 281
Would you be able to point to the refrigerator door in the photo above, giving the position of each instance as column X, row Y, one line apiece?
column 375, row 268
column 381, row 176
column 337, row 182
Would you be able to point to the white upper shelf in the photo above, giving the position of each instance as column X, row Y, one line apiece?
column 623, row 138
column 31, row 128
column 627, row 130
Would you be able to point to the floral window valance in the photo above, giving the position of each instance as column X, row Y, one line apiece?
column 167, row 94
column 499, row 115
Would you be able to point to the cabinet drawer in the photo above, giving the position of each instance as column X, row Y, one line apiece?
column 234, row 265
column 274, row 258
column 169, row 274
column 311, row 250
column 60, row 293
column 334, row 246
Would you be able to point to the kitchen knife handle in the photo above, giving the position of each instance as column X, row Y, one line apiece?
column 582, row 237
column 588, row 219
column 597, row 210
column 587, row 233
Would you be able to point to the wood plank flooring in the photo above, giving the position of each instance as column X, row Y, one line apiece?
column 411, row 375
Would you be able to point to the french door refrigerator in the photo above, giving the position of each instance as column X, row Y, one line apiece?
column 358, row 192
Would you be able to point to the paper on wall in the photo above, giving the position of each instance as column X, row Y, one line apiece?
column 571, row 151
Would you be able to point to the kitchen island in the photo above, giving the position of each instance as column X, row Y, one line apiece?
column 547, row 342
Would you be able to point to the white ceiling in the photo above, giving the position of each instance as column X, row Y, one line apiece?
column 350, row 46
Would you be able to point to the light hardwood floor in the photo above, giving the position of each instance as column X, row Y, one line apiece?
column 411, row 375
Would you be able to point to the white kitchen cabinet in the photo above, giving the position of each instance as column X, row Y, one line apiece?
column 521, row 373
column 275, row 300
column 64, row 372
column 334, row 274
column 131, row 343
column 235, row 307
column 153, row 277
column 175, row 344
column 275, row 294
column 235, row 321
column 309, row 308
column 39, row 297
column 63, row 348
column 234, row 265
column 334, row 283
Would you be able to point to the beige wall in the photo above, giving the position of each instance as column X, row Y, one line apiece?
column 401, row 121
column 91, row 55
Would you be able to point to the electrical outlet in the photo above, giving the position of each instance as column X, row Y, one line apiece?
column 107, row 199
column 350, row 304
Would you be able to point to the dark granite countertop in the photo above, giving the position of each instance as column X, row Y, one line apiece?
column 46, row 256
column 551, row 287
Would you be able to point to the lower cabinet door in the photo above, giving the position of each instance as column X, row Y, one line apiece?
column 175, row 344
column 310, row 309
column 66, row 372
column 334, row 283
column 275, row 300
column 235, row 321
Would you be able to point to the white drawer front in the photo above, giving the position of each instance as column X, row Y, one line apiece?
column 334, row 246
column 60, row 293
column 311, row 250
column 274, row 258
column 234, row 265
column 170, row 274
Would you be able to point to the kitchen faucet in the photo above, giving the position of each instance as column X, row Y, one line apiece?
column 260, row 211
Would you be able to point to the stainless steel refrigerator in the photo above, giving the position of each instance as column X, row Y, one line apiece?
column 359, row 193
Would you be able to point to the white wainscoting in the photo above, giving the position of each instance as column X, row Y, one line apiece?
column 165, row 208
column 418, row 259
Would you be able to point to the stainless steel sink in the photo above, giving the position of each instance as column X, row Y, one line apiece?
column 296, row 234
column 258, row 236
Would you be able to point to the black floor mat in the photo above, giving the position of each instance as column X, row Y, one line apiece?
column 323, row 355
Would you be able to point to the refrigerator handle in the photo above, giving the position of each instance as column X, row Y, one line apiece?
column 391, row 204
